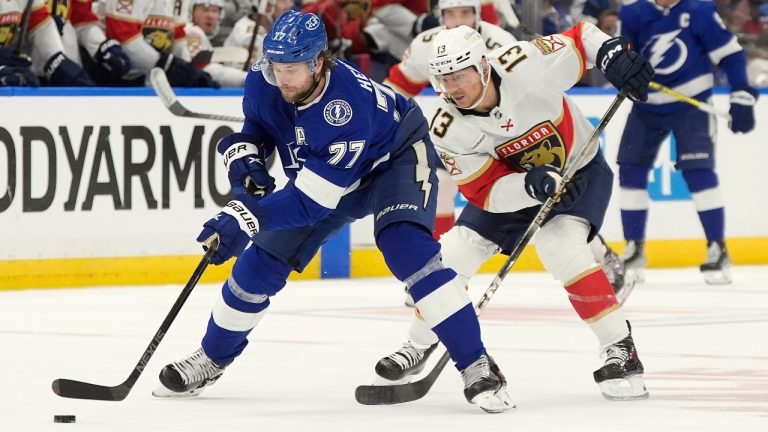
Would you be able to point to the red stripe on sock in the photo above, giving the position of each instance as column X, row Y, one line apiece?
column 591, row 295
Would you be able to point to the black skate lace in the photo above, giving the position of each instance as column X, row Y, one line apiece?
column 481, row 368
column 407, row 356
column 196, row 368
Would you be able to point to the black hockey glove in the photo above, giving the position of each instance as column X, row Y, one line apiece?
column 743, row 109
column 235, row 225
column 111, row 56
column 63, row 72
column 246, row 166
column 15, row 70
column 182, row 74
column 541, row 182
column 625, row 68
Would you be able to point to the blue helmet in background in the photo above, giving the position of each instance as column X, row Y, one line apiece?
column 295, row 37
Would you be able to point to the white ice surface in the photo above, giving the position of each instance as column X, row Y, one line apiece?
column 705, row 350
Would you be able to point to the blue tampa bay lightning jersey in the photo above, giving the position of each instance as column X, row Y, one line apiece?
column 327, row 146
column 682, row 43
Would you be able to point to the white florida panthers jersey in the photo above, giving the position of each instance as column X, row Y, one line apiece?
column 534, row 123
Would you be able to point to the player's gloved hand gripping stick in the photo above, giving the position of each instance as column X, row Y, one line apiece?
column 400, row 393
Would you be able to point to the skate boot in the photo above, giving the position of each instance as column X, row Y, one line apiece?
column 634, row 260
column 404, row 363
column 621, row 377
column 615, row 272
column 485, row 385
column 188, row 377
column 717, row 268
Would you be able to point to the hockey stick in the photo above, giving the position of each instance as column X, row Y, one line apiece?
column 260, row 11
column 707, row 108
column 83, row 390
column 400, row 393
column 164, row 90
column 23, row 27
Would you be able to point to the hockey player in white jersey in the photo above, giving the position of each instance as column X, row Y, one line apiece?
column 151, row 33
column 46, row 50
column 411, row 76
column 204, row 19
column 504, row 131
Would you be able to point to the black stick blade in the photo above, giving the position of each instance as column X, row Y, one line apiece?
column 82, row 390
column 400, row 393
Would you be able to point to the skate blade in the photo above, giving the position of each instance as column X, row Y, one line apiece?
column 163, row 392
column 717, row 277
column 632, row 388
column 494, row 403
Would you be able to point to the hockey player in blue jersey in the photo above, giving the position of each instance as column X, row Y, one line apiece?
column 683, row 39
column 351, row 148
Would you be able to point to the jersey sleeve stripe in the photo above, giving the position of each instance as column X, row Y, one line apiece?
column 724, row 51
column 575, row 34
column 318, row 188
column 564, row 125
column 122, row 30
column 477, row 188
column 38, row 17
column 399, row 81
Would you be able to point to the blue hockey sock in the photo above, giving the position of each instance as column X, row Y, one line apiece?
column 633, row 224
column 707, row 197
column 633, row 180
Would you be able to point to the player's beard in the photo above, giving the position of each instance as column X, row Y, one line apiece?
column 296, row 94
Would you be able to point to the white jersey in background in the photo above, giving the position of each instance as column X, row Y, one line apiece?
column 534, row 123
column 198, row 42
column 411, row 76
column 145, row 28
column 42, row 34
column 241, row 35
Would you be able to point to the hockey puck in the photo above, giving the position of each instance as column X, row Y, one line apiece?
column 63, row 419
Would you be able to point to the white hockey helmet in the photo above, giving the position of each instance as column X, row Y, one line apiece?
column 454, row 50
column 447, row 4
column 218, row 3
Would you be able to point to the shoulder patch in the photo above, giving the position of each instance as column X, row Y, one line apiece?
column 548, row 44
column 337, row 112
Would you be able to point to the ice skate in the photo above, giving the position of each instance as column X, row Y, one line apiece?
column 485, row 385
column 615, row 271
column 621, row 377
column 400, row 366
column 717, row 268
column 634, row 260
column 188, row 377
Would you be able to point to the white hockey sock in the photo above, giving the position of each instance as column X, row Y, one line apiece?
column 420, row 335
column 610, row 328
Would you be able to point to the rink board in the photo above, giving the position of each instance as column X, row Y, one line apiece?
column 107, row 187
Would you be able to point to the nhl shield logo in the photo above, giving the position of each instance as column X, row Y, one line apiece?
column 337, row 112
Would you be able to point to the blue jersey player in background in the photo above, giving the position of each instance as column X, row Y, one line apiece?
column 682, row 39
column 350, row 148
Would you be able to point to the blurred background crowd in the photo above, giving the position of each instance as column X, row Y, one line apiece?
column 212, row 43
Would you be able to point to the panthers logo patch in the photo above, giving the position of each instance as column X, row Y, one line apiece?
column 541, row 145
column 158, row 32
